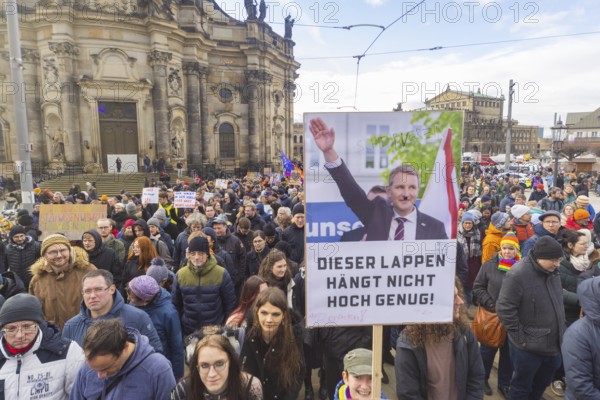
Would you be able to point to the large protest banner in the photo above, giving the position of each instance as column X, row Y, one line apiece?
column 381, row 250
column 70, row 219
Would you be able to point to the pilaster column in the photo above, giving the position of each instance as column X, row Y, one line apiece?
column 255, row 81
column 206, row 134
column 159, row 60
column 33, row 100
column 66, row 54
column 191, row 71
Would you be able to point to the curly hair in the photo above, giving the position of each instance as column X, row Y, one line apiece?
column 147, row 252
column 283, row 354
column 418, row 334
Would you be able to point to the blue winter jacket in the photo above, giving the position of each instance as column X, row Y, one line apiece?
column 76, row 327
column 581, row 345
column 145, row 375
column 164, row 316
column 204, row 298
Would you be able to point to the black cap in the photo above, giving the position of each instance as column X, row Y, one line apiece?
column 547, row 248
column 21, row 307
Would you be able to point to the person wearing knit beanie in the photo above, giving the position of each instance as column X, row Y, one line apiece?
column 581, row 214
column 53, row 239
column 21, row 307
column 104, row 198
column 144, row 288
column 158, row 270
column 128, row 223
column 548, row 249
column 520, row 212
column 467, row 217
column 130, row 208
column 16, row 230
column 582, row 201
column 499, row 221
column 198, row 244
column 511, row 239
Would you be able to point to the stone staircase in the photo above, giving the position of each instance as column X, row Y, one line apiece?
column 109, row 184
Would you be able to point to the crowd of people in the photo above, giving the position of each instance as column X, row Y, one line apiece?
column 161, row 302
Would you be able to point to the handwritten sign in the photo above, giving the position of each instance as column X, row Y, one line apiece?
column 208, row 196
column 150, row 195
column 220, row 183
column 184, row 200
column 70, row 219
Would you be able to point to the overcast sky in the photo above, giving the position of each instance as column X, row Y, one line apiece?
column 557, row 74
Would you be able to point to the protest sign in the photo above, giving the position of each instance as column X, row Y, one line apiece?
column 69, row 219
column 184, row 200
column 220, row 184
column 150, row 195
column 381, row 166
column 208, row 196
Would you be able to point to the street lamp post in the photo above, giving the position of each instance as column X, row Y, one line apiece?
column 557, row 143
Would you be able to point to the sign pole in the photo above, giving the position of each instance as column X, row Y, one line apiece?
column 377, row 341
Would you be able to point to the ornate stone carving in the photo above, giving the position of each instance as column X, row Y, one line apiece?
column 156, row 57
column 174, row 83
column 50, row 70
column 64, row 49
column 30, row 55
column 57, row 143
column 191, row 67
column 277, row 97
column 257, row 76
column 177, row 142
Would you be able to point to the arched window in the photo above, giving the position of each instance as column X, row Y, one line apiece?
column 226, row 141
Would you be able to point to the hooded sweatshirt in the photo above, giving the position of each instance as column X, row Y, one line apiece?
column 145, row 375
column 104, row 258
column 76, row 327
column 581, row 345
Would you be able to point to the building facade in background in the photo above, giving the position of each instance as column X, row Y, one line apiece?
column 485, row 127
column 178, row 80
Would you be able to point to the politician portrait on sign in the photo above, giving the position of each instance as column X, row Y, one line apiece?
column 396, row 177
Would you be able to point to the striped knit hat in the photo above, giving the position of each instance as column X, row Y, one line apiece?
column 511, row 238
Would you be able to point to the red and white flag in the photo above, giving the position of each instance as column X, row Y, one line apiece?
column 440, row 199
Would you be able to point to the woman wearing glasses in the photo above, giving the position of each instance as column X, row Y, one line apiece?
column 35, row 361
column 216, row 373
column 272, row 349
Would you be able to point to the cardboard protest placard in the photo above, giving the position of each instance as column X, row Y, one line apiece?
column 184, row 200
column 388, row 178
column 208, row 196
column 69, row 219
column 220, row 183
column 150, row 195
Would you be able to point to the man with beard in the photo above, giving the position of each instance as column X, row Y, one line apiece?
column 294, row 234
column 553, row 201
column 21, row 252
column 56, row 279
column 104, row 227
column 234, row 247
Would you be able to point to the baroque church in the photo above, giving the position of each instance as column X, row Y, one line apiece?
column 108, row 79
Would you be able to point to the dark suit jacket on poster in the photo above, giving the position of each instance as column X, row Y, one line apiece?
column 376, row 215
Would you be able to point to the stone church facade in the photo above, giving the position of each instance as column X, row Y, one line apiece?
column 183, row 81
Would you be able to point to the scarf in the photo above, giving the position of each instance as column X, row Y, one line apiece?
column 580, row 263
column 505, row 264
column 472, row 245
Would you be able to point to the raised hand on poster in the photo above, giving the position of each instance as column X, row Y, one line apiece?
column 324, row 138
